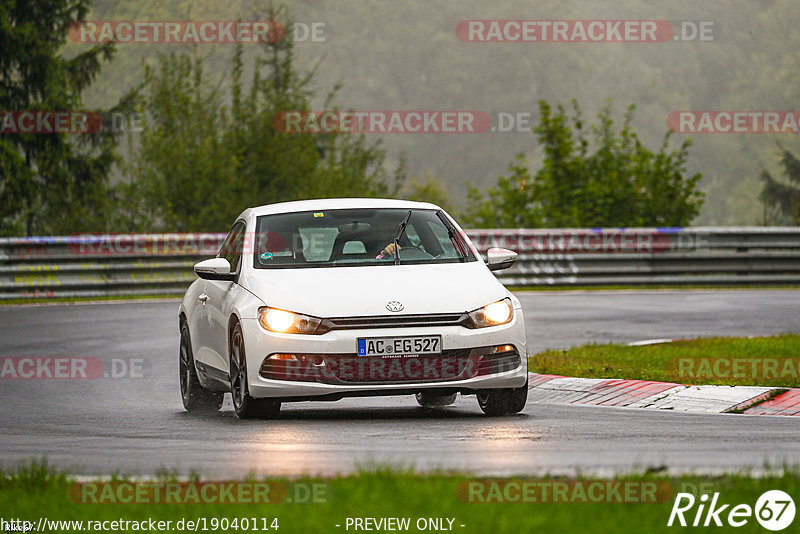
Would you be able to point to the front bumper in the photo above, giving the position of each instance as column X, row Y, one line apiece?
column 326, row 367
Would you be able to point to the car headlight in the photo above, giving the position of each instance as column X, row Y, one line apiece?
column 287, row 322
column 496, row 313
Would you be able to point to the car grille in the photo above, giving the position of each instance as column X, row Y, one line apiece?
column 393, row 321
column 451, row 365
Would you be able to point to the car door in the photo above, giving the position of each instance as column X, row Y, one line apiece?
column 197, row 316
column 219, row 296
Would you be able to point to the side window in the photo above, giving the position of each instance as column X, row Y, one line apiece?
column 231, row 248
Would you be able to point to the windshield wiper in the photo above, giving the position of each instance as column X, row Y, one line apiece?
column 458, row 243
column 397, row 237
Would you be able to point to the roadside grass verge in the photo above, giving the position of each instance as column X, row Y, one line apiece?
column 654, row 287
column 99, row 298
column 772, row 361
column 35, row 492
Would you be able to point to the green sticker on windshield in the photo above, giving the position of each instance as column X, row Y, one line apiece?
column 266, row 255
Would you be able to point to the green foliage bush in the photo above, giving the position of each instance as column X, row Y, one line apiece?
column 590, row 177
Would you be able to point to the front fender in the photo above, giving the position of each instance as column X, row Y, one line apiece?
column 245, row 305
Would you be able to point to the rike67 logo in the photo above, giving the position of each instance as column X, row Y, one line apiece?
column 774, row 510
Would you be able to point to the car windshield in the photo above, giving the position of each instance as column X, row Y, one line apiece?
column 356, row 237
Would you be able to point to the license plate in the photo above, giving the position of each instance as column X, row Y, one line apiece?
column 399, row 346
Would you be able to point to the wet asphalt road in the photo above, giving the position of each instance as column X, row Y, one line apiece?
column 138, row 426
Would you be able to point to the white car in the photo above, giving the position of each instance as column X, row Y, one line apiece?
column 323, row 299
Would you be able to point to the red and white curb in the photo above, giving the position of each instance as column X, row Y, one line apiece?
column 784, row 404
column 662, row 395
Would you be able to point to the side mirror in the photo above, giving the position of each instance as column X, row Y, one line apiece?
column 214, row 269
column 500, row 258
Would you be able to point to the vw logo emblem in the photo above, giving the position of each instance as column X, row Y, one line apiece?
column 394, row 306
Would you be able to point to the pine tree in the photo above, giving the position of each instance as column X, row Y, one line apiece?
column 50, row 183
column 783, row 199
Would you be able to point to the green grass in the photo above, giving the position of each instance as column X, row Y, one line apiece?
column 721, row 360
column 658, row 287
column 36, row 491
column 67, row 300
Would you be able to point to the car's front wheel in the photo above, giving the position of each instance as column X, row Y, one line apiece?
column 503, row 401
column 427, row 399
column 195, row 398
column 245, row 406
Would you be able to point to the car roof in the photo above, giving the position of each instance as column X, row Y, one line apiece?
column 336, row 203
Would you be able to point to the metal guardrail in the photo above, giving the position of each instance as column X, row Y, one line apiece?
column 644, row 256
column 101, row 265
column 161, row 264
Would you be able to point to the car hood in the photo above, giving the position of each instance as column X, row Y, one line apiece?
column 359, row 291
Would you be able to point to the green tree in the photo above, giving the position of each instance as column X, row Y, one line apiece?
column 591, row 178
column 507, row 204
column 54, row 182
column 782, row 200
column 182, row 173
column 205, row 154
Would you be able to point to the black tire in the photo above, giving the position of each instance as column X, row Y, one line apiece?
column 503, row 401
column 195, row 397
column 245, row 406
column 428, row 399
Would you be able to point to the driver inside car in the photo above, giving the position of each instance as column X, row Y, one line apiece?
column 388, row 251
